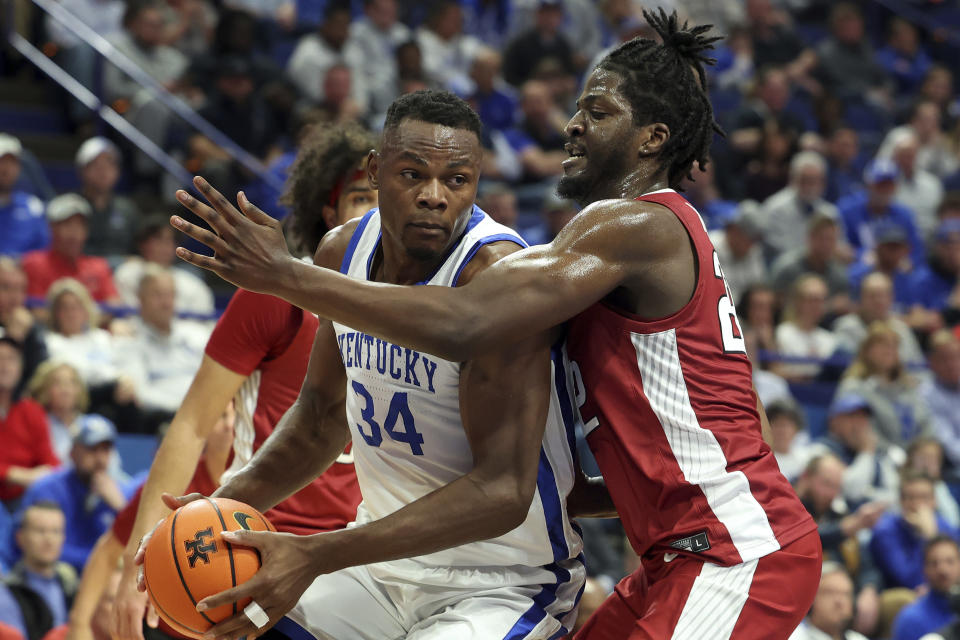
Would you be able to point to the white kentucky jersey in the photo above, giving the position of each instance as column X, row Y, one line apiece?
column 403, row 408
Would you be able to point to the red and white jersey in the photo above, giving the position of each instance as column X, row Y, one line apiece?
column 269, row 341
column 671, row 418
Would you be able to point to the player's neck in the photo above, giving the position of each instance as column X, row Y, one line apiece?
column 642, row 179
column 393, row 265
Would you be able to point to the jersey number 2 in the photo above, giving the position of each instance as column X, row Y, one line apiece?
column 730, row 331
column 398, row 411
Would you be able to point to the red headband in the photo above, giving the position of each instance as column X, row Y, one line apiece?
column 343, row 182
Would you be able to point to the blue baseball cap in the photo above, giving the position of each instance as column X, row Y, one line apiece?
column 890, row 232
column 93, row 430
column 880, row 170
column 849, row 403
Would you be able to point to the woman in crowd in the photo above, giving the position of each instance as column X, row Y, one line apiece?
column 800, row 334
column 60, row 390
column 878, row 374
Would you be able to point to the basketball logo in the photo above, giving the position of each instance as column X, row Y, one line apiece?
column 199, row 548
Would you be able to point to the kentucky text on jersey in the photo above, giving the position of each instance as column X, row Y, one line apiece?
column 362, row 351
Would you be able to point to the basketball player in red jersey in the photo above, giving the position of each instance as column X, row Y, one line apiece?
column 258, row 353
column 665, row 386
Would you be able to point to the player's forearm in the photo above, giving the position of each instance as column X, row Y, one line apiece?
column 96, row 575
column 298, row 447
column 171, row 471
column 467, row 510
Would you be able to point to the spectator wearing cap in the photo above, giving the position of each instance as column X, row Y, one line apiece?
column 26, row 454
column 89, row 497
column 43, row 586
column 934, row 284
column 156, row 244
column 891, row 257
column 21, row 214
column 871, row 473
column 899, row 539
column 69, row 217
column 917, row 188
column 879, row 375
column 162, row 354
column 875, row 305
column 738, row 247
column 831, row 614
column 818, row 255
column 932, row 610
column 16, row 321
column 787, row 212
column 862, row 212
column 113, row 217
column 941, row 392
column 555, row 213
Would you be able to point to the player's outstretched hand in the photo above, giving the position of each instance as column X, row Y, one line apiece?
column 250, row 250
column 174, row 503
column 285, row 573
column 130, row 608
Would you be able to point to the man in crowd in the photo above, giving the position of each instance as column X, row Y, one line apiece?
column 16, row 321
column 163, row 353
column 113, row 217
column 941, row 392
column 69, row 217
column 42, row 585
column 738, row 248
column 832, row 612
column 932, row 610
column 899, row 539
column 85, row 492
column 818, row 255
column 21, row 214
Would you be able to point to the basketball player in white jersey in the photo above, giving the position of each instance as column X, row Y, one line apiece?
column 464, row 468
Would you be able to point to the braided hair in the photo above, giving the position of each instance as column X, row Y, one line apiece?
column 666, row 83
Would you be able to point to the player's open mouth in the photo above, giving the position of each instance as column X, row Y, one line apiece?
column 578, row 157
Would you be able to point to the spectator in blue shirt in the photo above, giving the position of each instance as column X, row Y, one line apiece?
column 899, row 539
column 86, row 493
column 934, row 283
column 941, row 568
column 492, row 99
column 844, row 164
column 903, row 58
column 891, row 258
column 42, row 585
column 21, row 214
column 864, row 211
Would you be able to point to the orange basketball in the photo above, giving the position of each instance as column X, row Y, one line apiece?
column 186, row 560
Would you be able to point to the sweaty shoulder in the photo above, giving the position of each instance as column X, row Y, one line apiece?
column 486, row 256
column 333, row 246
column 625, row 231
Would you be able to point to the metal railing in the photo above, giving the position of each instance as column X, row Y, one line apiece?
column 84, row 95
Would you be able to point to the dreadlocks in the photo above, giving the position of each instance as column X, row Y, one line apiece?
column 326, row 156
column 666, row 83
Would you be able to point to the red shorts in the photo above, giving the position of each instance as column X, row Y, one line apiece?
column 686, row 599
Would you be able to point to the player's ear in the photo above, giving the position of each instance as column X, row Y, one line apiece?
column 652, row 138
column 373, row 169
column 330, row 216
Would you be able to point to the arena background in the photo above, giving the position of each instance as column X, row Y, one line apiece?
column 833, row 201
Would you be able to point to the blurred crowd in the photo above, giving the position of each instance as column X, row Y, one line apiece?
column 833, row 202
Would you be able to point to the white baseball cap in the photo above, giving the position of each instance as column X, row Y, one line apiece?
column 67, row 206
column 92, row 148
column 10, row 145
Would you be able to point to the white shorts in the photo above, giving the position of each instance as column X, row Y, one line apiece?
column 406, row 599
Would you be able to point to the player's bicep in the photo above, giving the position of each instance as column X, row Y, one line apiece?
column 504, row 401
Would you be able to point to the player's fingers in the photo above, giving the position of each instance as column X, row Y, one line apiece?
column 224, row 208
column 153, row 618
column 229, row 596
column 235, row 627
column 246, row 538
column 252, row 211
column 197, row 260
column 200, row 234
column 213, row 217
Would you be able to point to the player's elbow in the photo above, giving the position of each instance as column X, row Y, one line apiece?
column 512, row 499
